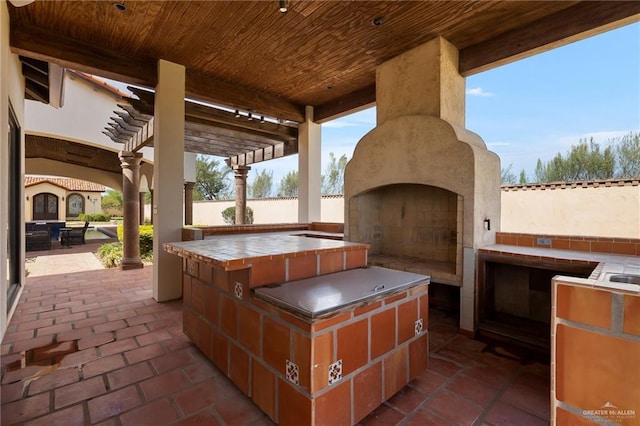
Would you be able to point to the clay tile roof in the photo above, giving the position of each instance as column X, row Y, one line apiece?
column 66, row 183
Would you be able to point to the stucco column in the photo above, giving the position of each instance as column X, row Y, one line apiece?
column 309, row 176
column 240, row 173
column 151, row 207
column 188, row 202
column 168, row 177
column 130, row 163
column 141, row 203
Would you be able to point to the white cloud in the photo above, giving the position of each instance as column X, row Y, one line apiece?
column 479, row 91
column 339, row 124
column 498, row 144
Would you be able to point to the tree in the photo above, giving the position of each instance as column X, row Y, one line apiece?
column 289, row 185
column 332, row 182
column 211, row 179
column 262, row 186
column 112, row 202
column 627, row 154
column 229, row 215
column 507, row 176
column 523, row 178
column 584, row 161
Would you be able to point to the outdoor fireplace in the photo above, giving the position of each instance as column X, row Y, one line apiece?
column 422, row 190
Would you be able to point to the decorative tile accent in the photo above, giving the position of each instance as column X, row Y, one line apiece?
column 335, row 372
column 238, row 290
column 293, row 372
column 419, row 326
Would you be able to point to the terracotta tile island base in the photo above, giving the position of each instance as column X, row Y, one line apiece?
column 303, row 365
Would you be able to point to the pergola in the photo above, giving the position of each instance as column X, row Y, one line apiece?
column 313, row 63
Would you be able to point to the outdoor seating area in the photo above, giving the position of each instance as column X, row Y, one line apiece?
column 98, row 348
column 37, row 236
column 74, row 235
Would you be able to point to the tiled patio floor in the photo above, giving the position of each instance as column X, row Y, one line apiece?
column 127, row 362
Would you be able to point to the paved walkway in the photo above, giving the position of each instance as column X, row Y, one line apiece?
column 93, row 347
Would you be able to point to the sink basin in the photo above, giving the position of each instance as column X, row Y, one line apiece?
column 625, row 278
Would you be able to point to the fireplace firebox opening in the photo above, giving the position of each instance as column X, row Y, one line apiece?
column 411, row 227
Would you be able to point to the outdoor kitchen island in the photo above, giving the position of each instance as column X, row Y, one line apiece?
column 300, row 323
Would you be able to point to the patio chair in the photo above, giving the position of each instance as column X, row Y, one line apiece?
column 74, row 235
column 38, row 237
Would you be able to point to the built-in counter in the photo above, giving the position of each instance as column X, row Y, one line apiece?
column 331, row 364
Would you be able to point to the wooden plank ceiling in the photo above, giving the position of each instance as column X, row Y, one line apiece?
column 247, row 55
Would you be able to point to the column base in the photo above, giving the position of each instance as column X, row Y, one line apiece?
column 128, row 264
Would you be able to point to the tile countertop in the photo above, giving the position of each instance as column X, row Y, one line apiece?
column 237, row 251
column 608, row 264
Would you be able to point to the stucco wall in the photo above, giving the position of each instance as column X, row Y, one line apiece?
column 612, row 211
column 11, row 92
column 89, row 205
column 267, row 210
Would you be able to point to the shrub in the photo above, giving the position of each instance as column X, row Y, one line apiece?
column 94, row 217
column 229, row 215
column 110, row 254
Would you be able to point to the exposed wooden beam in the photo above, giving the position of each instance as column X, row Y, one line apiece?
column 354, row 101
column 36, row 92
column 208, row 89
column 220, row 118
column 38, row 43
column 37, row 77
column 574, row 23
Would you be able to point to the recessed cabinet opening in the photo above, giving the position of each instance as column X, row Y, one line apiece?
column 515, row 298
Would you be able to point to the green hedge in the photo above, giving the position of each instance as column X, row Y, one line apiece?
column 146, row 239
column 94, row 217
column 111, row 254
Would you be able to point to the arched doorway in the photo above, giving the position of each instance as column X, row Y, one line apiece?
column 75, row 205
column 45, row 206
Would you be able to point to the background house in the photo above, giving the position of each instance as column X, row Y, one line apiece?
column 52, row 198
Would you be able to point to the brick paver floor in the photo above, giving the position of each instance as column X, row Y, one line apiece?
column 93, row 347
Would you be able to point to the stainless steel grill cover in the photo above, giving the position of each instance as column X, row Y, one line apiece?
column 316, row 296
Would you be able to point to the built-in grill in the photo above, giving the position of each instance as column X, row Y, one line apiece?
column 422, row 190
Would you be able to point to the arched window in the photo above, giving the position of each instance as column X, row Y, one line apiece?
column 45, row 206
column 75, row 205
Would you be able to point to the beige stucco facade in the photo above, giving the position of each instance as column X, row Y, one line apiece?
column 90, row 202
column 604, row 209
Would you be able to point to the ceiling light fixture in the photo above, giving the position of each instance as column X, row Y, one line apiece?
column 283, row 6
column 120, row 6
column 377, row 21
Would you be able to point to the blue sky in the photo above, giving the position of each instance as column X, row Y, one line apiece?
column 532, row 108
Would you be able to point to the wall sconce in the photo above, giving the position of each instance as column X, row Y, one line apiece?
column 237, row 114
column 88, row 197
column 283, row 6
column 27, row 198
column 487, row 224
column 249, row 117
column 63, row 198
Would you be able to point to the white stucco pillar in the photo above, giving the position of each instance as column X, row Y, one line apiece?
column 168, row 178
column 309, row 158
